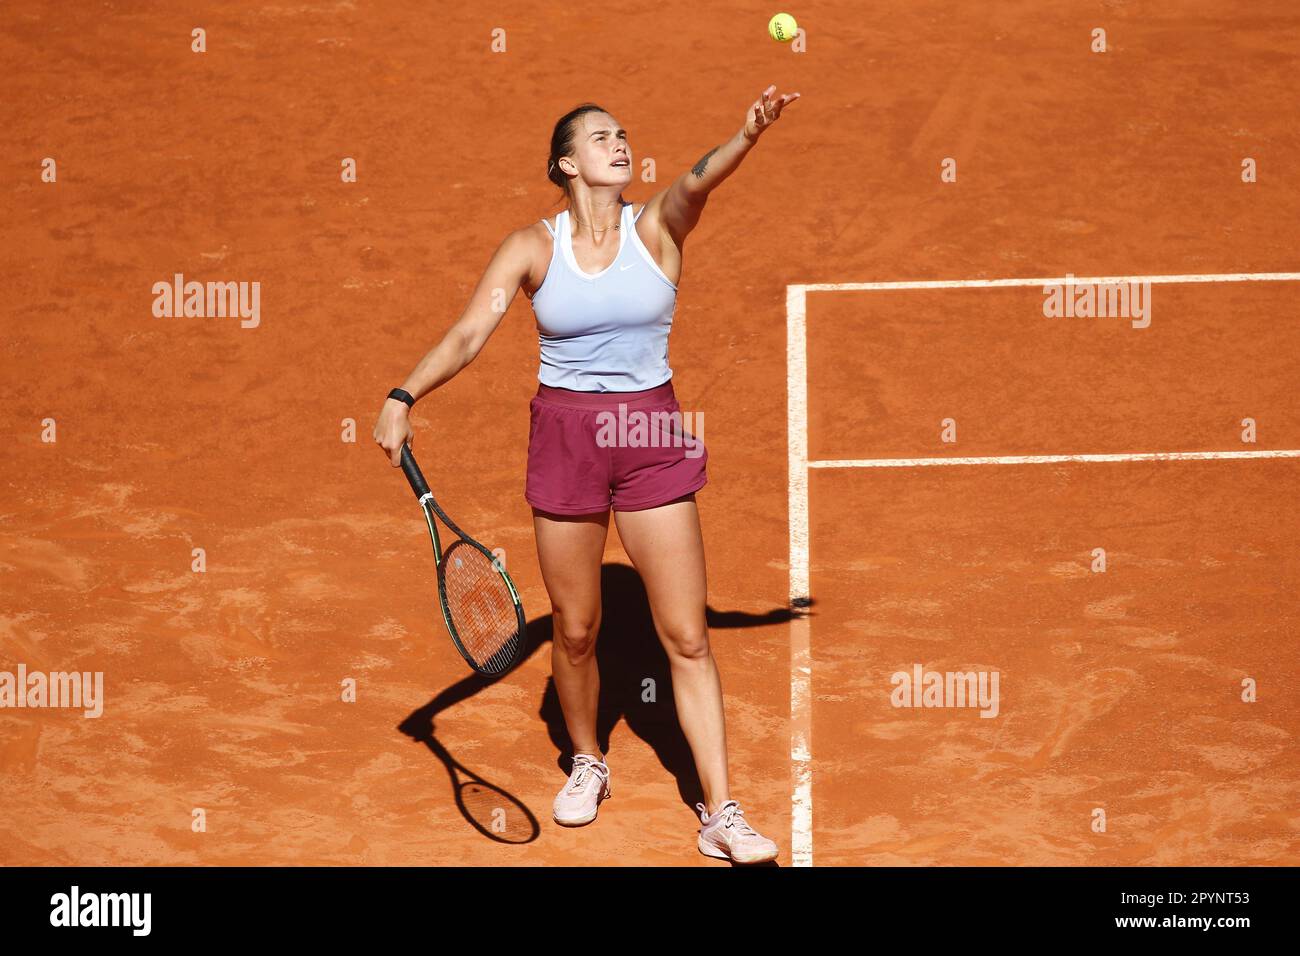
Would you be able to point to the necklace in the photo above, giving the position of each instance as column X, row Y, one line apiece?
column 593, row 228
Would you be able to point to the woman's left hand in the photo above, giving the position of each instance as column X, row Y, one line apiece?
column 766, row 111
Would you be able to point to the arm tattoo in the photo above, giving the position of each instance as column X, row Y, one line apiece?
column 703, row 164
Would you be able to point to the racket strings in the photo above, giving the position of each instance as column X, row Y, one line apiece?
column 480, row 604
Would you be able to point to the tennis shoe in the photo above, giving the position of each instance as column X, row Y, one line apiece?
column 588, row 784
column 728, row 836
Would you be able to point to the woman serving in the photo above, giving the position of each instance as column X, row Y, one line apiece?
column 602, row 278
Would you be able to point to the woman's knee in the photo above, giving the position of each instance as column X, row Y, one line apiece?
column 689, row 642
column 575, row 634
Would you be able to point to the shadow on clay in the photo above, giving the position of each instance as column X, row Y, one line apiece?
column 628, row 653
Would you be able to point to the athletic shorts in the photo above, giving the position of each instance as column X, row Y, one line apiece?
column 592, row 451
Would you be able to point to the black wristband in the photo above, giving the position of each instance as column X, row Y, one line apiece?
column 402, row 396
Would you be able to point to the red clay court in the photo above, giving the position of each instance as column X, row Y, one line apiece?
column 808, row 331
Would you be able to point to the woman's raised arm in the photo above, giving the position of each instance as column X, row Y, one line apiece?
column 683, row 201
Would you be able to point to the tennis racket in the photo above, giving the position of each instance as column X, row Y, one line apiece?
column 479, row 602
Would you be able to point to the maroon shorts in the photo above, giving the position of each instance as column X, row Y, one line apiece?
column 592, row 451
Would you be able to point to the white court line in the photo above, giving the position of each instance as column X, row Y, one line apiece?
column 800, row 662
column 1048, row 460
column 797, row 432
column 1056, row 280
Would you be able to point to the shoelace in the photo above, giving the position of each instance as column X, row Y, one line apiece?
column 734, row 817
column 582, row 766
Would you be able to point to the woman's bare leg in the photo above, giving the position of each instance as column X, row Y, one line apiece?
column 570, row 550
column 667, row 548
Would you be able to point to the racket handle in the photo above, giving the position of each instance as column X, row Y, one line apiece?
column 412, row 471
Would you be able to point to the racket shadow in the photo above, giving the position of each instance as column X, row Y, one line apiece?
column 490, row 809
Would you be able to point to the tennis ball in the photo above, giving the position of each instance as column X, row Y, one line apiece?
column 782, row 27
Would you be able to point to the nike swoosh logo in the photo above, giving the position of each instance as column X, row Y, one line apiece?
column 626, row 267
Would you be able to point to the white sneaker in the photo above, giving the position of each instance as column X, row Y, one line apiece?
column 588, row 784
column 727, row 836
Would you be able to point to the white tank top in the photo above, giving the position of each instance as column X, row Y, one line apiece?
column 606, row 332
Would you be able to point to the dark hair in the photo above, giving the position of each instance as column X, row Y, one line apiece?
column 562, row 142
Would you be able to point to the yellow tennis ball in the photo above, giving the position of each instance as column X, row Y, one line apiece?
column 782, row 27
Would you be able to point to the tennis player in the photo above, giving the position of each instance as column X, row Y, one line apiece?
column 602, row 277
